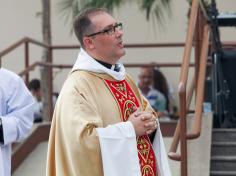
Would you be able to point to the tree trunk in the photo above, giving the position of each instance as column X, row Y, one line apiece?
column 46, row 72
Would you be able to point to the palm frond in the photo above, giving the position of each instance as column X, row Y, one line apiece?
column 65, row 9
column 147, row 5
column 70, row 8
column 156, row 8
column 108, row 4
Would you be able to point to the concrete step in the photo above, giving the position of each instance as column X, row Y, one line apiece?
column 222, row 173
column 223, row 149
column 223, row 163
column 224, row 135
column 226, row 19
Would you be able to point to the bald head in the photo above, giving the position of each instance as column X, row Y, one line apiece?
column 145, row 77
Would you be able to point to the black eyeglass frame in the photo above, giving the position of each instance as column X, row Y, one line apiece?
column 109, row 29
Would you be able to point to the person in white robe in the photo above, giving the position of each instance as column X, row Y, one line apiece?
column 101, row 121
column 16, row 115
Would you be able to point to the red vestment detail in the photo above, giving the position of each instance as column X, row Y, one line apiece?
column 128, row 103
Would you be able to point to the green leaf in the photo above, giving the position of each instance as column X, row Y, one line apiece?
column 156, row 9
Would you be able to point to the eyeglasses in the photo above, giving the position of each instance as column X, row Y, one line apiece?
column 109, row 30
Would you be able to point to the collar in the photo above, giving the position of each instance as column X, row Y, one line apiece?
column 109, row 66
column 87, row 63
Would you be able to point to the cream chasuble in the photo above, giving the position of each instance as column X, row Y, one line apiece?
column 89, row 134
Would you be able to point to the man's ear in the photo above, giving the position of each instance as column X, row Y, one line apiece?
column 88, row 43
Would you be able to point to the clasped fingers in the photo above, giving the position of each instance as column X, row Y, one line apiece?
column 151, row 126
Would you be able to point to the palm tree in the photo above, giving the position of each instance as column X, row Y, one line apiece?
column 153, row 8
column 45, row 71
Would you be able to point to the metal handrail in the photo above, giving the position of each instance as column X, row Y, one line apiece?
column 185, row 68
column 130, row 45
column 142, row 45
column 33, row 41
column 200, row 86
column 12, row 47
column 69, row 66
column 20, row 42
column 199, row 100
column 181, row 132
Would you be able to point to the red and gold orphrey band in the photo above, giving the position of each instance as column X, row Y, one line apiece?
column 128, row 103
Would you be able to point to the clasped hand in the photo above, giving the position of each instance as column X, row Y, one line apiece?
column 143, row 122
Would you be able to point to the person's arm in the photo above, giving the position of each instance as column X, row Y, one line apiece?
column 1, row 132
column 158, row 144
column 119, row 146
column 18, row 120
column 119, row 149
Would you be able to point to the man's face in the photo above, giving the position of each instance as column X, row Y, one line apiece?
column 37, row 94
column 145, row 78
column 108, row 47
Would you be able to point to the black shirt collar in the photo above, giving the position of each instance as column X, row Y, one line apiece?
column 109, row 66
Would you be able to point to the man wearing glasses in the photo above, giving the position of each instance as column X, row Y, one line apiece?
column 101, row 121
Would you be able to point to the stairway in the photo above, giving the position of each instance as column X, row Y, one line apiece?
column 226, row 19
column 223, row 152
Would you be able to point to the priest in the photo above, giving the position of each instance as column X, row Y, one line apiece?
column 101, row 121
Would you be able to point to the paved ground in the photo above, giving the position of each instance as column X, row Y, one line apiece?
column 34, row 165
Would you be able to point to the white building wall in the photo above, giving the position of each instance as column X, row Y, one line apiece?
column 19, row 19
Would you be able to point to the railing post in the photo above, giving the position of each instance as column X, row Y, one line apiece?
column 27, row 61
column 197, row 48
column 50, row 101
column 183, row 135
column 198, row 43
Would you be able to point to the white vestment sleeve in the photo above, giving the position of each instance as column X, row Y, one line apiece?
column 119, row 150
column 18, row 119
column 1, row 165
column 160, row 152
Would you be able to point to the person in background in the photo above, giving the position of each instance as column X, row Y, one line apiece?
column 35, row 89
column 160, row 83
column 155, row 97
column 101, row 122
column 16, row 115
